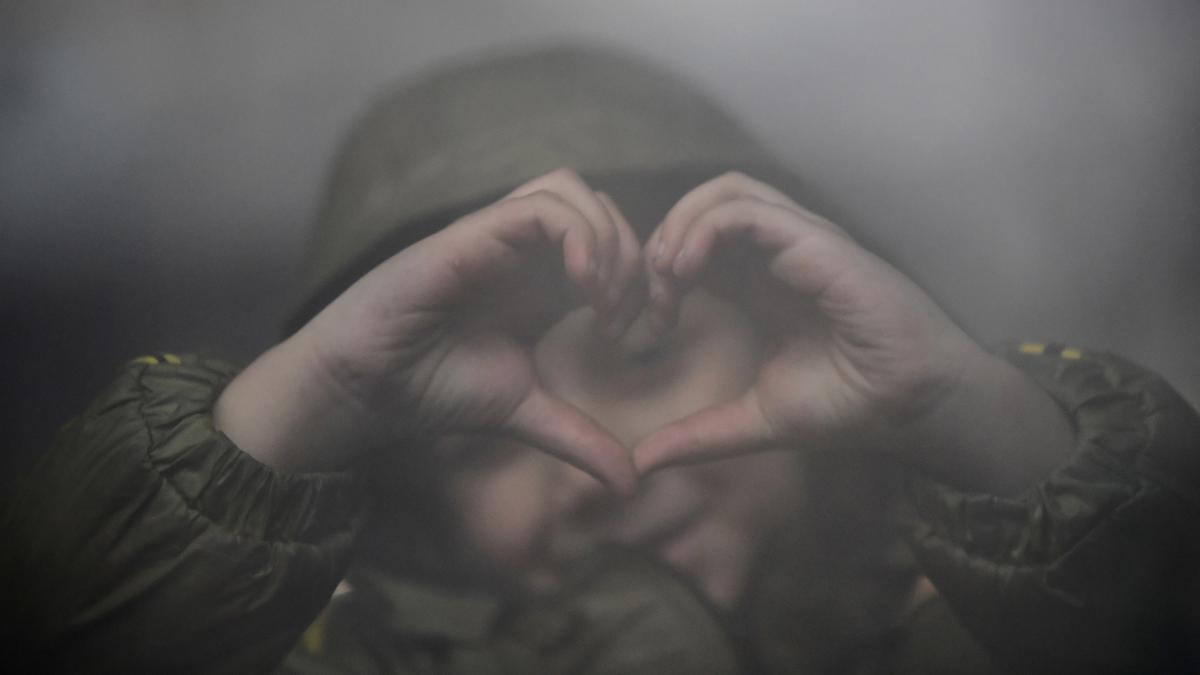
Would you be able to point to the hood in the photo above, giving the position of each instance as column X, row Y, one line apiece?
column 461, row 136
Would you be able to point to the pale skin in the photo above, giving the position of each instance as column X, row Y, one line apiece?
column 449, row 337
column 884, row 366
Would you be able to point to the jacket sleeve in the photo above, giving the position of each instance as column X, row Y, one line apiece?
column 145, row 540
column 1096, row 569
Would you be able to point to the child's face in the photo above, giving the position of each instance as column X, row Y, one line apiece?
column 527, row 514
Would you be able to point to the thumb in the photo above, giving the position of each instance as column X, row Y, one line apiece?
column 716, row 432
column 562, row 430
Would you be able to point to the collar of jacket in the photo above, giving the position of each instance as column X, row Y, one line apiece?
column 621, row 612
column 427, row 611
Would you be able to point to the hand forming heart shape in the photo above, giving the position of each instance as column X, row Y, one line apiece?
column 436, row 339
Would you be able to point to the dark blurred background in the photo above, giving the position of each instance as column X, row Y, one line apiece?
column 1035, row 164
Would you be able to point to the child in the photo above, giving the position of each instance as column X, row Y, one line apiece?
column 617, row 417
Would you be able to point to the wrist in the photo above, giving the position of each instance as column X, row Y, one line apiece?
column 994, row 431
column 285, row 412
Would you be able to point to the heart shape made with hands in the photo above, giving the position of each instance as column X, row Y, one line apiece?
column 437, row 340
column 849, row 337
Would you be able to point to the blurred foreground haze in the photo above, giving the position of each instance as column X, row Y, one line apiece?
column 1036, row 165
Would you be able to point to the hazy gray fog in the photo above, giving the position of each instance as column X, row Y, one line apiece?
column 1036, row 163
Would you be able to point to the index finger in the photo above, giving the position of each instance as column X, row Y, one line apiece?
column 560, row 429
column 571, row 187
column 723, row 430
column 729, row 186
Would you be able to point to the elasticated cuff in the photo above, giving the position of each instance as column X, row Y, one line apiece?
column 1135, row 439
column 174, row 397
column 1082, row 571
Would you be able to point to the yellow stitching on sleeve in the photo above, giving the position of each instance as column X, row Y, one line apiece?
column 1072, row 353
column 314, row 636
column 172, row 359
column 1035, row 348
column 148, row 360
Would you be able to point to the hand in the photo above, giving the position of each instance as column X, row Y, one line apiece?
column 434, row 341
column 854, row 344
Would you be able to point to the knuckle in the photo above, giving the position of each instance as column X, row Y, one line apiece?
column 741, row 209
column 523, row 206
column 539, row 203
column 736, row 177
column 565, row 173
column 542, row 198
column 746, row 183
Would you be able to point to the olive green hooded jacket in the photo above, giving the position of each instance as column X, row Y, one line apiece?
column 144, row 540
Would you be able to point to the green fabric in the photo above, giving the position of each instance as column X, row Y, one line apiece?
column 145, row 541
column 622, row 614
column 479, row 129
column 1096, row 568
column 424, row 610
column 145, row 538
column 935, row 642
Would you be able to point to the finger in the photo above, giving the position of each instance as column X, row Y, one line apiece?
column 626, row 295
column 663, row 294
column 739, row 184
column 666, row 302
column 574, row 190
column 667, row 240
column 724, row 430
column 804, row 255
column 560, row 429
column 726, row 187
column 621, row 317
column 627, row 252
column 516, row 224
